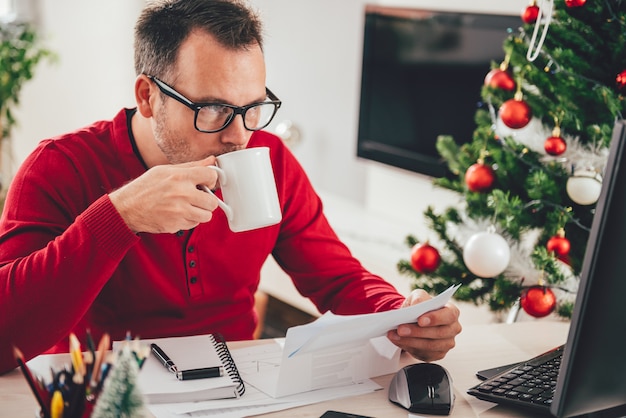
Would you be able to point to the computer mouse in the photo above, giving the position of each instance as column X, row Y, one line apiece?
column 424, row 388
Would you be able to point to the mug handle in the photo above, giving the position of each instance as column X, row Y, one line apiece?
column 222, row 177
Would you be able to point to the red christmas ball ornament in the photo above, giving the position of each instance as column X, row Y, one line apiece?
column 558, row 244
column 621, row 81
column 530, row 13
column 500, row 79
column 515, row 113
column 555, row 145
column 575, row 3
column 479, row 177
column 425, row 258
column 538, row 301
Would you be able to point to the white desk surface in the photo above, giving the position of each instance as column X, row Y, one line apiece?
column 478, row 347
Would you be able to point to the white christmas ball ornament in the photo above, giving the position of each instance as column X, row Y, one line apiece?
column 584, row 186
column 486, row 254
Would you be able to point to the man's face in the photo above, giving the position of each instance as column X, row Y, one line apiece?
column 208, row 73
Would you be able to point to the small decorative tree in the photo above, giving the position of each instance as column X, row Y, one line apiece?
column 20, row 52
column 121, row 396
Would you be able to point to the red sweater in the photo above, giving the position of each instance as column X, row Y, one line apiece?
column 69, row 262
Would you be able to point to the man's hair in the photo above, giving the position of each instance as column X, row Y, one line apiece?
column 163, row 25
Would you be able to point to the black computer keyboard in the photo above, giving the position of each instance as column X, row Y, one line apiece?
column 529, row 384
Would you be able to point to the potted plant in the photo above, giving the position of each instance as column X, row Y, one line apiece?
column 20, row 52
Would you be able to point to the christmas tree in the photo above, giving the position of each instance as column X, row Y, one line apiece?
column 121, row 397
column 530, row 177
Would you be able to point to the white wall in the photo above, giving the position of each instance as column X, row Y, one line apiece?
column 93, row 77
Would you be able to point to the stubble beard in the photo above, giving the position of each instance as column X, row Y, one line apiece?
column 175, row 149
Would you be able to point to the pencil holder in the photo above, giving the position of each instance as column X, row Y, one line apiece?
column 85, row 412
column 99, row 384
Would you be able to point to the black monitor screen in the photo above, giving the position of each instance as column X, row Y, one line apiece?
column 422, row 73
column 593, row 370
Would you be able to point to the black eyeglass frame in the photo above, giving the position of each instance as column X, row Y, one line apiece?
column 237, row 110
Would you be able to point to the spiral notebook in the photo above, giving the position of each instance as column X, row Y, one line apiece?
column 159, row 385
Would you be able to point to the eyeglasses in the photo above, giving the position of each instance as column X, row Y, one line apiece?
column 214, row 117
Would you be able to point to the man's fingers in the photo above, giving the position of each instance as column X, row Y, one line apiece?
column 416, row 296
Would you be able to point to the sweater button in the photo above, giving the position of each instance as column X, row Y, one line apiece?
column 191, row 248
column 192, row 263
column 193, row 280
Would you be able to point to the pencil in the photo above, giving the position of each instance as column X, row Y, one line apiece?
column 57, row 405
column 77, row 359
column 90, row 343
column 19, row 358
column 103, row 346
column 91, row 347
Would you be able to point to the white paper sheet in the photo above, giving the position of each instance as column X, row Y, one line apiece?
column 256, row 399
column 333, row 330
column 335, row 350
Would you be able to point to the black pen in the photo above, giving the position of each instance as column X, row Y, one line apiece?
column 203, row 373
column 191, row 374
column 163, row 358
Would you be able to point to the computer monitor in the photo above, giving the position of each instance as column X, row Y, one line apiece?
column 592, row 376
column 422, row 71
column 591, row 379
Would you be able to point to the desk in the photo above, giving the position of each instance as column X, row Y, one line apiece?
column 478, row 347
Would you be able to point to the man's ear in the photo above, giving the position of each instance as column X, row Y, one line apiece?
column 145, row 93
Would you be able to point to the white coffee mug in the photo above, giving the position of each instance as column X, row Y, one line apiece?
column 248, row 188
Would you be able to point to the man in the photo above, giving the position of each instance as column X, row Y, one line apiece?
column 105, row 229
